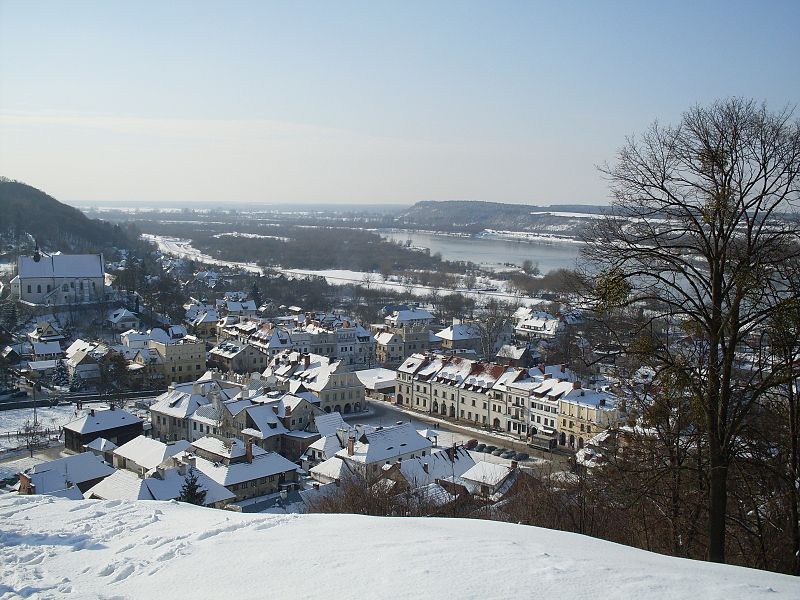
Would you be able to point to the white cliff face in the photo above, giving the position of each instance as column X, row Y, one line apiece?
column 55, row 548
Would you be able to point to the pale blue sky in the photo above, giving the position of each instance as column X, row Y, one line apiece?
column 364, row 102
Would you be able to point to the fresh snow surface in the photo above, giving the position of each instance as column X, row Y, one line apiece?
column 56, row 548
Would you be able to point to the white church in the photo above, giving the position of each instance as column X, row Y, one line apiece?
column 59, row 279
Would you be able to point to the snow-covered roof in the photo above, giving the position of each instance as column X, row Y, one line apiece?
column 329, row 423
column 182, row 401
column 486, row 473
column 439, row 466
column 459, row 332
column 400, row 317
column 387, row 443
column 120, row 485
column 102, row 420
column 230, row 449
column 385, row 337
column 115, row 316
column 61, row 473
column 168, row 484
column 263, row 465
column 378, row 378
column 512, row 352
column 330, row 470
column 46, row 348
column 61, row 265
column 101, row 445
column 149, row 453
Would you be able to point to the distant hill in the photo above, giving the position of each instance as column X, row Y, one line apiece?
column 26, row 213
column 474, row 216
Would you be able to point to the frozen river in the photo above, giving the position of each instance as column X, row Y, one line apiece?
column 492, row 252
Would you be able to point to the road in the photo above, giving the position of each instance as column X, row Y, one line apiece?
column 384, row 414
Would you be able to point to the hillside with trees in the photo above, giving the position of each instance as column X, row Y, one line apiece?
column 468, row 216
column 31, row 216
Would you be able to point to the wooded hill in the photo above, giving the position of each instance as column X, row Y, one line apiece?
column 28, row 214
column 473, row 216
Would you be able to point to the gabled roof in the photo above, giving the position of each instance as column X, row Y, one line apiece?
column 64, row 472
column 486, row 473
column 46, row 348
column 439, row 466
column 230, row 449
column 459, row 332
column 386, row 443
column 102, row 420
column 149, row 453
column 61, row 265
column 101, row 445
column 263, row 465
column 328, row 423
column 121, row 314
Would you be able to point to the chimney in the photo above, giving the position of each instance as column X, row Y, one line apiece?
column 351, row 446
column 514, row 465
column 195, row 388
column 191, row 460
column 160, row 472
column 91, row 412
column 275, row 409
column 451, row 453
column 248, row 450
column 307, row 361
column 245, row 393
column 563, row 367
column 576, row 385
column 316, row 485
column 425, row 467
column 548, row 375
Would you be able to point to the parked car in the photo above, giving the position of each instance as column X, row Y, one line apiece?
column 480, row 448
column 522, row 456
column 508, row 454
column 498, row 452
column 490, row 449
column 471, row 444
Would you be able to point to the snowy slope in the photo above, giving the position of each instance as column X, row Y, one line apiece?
column 90, row 549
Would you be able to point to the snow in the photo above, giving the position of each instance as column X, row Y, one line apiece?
column 59, row 548
column 377, row 378
column 62, row 265
column 183, row 249
column 102, row 420
column 486, row 473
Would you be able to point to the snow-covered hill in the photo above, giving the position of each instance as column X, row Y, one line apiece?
column 89, row 549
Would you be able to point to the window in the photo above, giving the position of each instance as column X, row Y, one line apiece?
column 29, row 289
column 38, row 289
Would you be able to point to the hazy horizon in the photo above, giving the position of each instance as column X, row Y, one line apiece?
column 361, row 103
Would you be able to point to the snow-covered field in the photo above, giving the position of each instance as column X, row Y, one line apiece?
column 56, row 548
column 529, row 237
column 345, row 277
column 254, row 236
column 183, row 249
column 51, row 417
column 13, row 420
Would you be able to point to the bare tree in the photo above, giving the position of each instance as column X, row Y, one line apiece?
column 699, row 236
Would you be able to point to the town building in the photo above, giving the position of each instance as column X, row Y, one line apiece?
column 115, row 425
column 60, row 279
